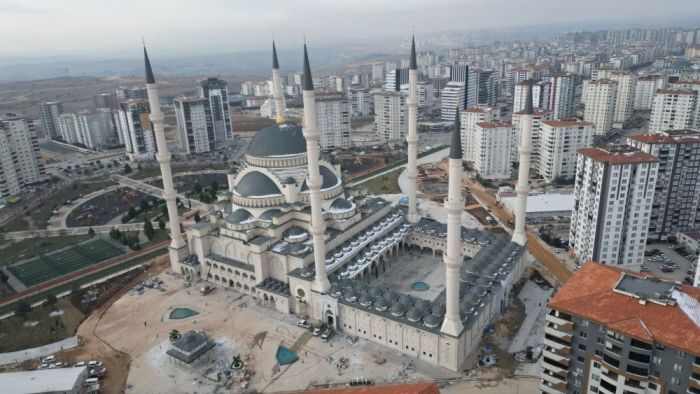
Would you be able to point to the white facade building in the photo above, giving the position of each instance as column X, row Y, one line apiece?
column 493, row 143
column 561, row 95
column 215, row 91
column 50, row 112
column 360, row 100
column 452, row 100
column 559, row 140
column 673, row 109
column 468, row 120
column 539, row 115
column 333, row 115
column 645, row 89
column 20, row 162
column 135, row 126
column 613, row 197
column 624, row 98
column 194, row 125
column 600, row 97
column 390, row 117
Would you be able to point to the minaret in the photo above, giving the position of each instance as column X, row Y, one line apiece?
column 277, row 93
column 311, row 134
column 412, row 136
column 524, row 149
column 178, row 247
column 452, row 325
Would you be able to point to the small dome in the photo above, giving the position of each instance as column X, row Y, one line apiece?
column 422, row 305
column 406, row 300
column 432, row 321
column 239, row 216
column 397, row 310
column 341, row 203
column 295, row 230
column 268, row 215
column 350, row 296
column 381, row 305
column 414, row 315
column 255, row 183
column 375, row 291
column 329, row 179
column 365, row 300
column 290, row 181
column 438, row 309
column 391, row 296
column 278, row 140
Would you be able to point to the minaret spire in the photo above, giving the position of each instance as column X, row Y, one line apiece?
column 525, row 150
column 452, row 325
column 311, row 134
column 178, row 247
column 277, row 92
column 412, row 137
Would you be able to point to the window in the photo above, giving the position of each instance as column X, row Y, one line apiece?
column 680, row 354
column 582, row 347
column 583, row 334
column 657, row 360
column 677, row 367
column 675, row 381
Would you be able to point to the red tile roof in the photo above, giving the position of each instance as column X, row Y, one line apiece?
column 566, row 123
column 623, row 154
column 670, row 137
column 494, row 125
column 590, row 294
column 677, row 91
column 409, row 388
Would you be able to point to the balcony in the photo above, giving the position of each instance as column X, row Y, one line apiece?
column 562, row 324
column 553, row 388
column 558, row 347
column 558, row 334
column 557, row 357
column 694, row 381
column 554, row 366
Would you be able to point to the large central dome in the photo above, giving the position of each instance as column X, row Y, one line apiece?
column 278, row 140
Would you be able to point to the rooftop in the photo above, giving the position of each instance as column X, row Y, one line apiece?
column 618, row 154
column 566, row 123
column 542, row 203
column 677, row 91
column 634, row 304
column 537, row 112
column 669, row 137
column 494, row 125
column 41, row 381
column 479, row 110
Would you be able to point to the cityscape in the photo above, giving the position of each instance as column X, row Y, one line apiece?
column 501, row 209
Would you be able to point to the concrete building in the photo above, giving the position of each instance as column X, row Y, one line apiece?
column 539, row 115
column 215, row 90
column 690, row 240
column 134, row 93
column 360, row 100
column 559, row 140
column 135, row 126
column 561, row 95
column 426, row 91
column 45, row 381
column 92, row 129
column 468, row 119
column 677, row 194
column 540, row 95
column 333, row 113
column 192, row 349
column 600, row 98
column 624, row 97
column 613, row 197
column 673, row 109
column 613, row 331
column 50, row 112
column 492, row 149
column 20, row 162
column 194, row 125
column 395, row 78
column 106, row 100
column 541, row 205
column 486, row 87
column 453, row 100
column 390, row 117
column 645, row 89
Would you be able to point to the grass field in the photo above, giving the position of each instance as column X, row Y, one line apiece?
column 29, row 248
column 385, row 184
column 47, row 267
column 42, row 214
column 43, row 328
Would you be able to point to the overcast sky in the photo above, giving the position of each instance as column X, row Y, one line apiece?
column 182, row 27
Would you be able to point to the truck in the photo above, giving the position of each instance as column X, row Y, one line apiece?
column 206, row 289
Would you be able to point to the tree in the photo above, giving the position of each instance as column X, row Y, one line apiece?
column 214, row 186
column 115, row 234
column 197, row 218
column 132, row 212
column 23, row 308
column 127, row 168
column 144, row 205
column 197, row 188
column 148, row 229
column 91, row 232
column 161, row 224
column 51, row 300
column 3, row 277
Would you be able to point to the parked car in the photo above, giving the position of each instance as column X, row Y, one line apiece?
column 98, row 372
column 80, row 364
column 316, row 332
column 94, row 364
column 327, row 333
column 303, row 323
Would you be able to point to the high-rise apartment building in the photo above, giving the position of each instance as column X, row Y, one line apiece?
column 486, row 87
column 360, row 99
column 493, row 143
column 673, row 109
column 677, row 194
column 395, row 78
column 539, row 115
column 135, row 125
column 468, row 120
column 613, row 195
column 50, row 112
column 135, row 93
column 390, row 117
column 561, row 95
column 425, row 93
column 194, row 124
column 624, row 97
column 215, row 91
column 645, row 89
column 333, row 116
column 540, row 95
column 613, row 331
column 452, row 100
column 600, row 97
column 20, row 163
column 559, row 142
column 106, row 100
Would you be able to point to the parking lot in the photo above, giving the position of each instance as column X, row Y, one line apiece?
column 668, row 257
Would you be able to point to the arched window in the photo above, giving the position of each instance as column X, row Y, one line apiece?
column 301, row 293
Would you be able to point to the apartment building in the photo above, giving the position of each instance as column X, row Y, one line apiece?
column 673, row 109
column 390, row 117
column 20, row 162
column 333, row 112
column 493, row 143
column 468, row 120
column 559, row 142
column 538, row 117
column 50, row 122
column 600, row 98
column 134, row 123
column 613, row 194
column 645, row 89
column 194, row 124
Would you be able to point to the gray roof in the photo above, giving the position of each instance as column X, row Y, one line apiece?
column 329, row 179
column 308, row 80
column 277, row 140
column 55, row 380
column 182, row 348
column 275, row 63
column 456, row 145
column 341, row 203
column 256, row 183
column 149, row 72
column 238, row 216
column 233, row 263
column 414, row 64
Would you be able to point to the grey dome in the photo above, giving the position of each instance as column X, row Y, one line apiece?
column 295, row 230
column 406, row 300
column 438, row 309
column 267, row 215
column 278, row 140
column 414, row 315
column 391, row 296
column 381, row 305
column 422, row 305
column 397, row 310
column 375, row 291
column 329, row 179
column 365, row 300
column 238, row 216
column 341, row 203
column 432, row 321
column 256, row 183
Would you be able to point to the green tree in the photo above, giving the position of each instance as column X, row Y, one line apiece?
column 197, row 188
column 3, row 277
column 115, row 234
column 51, row 300
column 132, row 212
column 197, row 218
column 161, row 224
column 214, row 186
column 148, row 229
column 127, row 168
column 144, row 205
column 23, row 308
column 91, row 232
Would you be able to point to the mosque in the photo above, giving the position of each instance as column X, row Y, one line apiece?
column 292, row 236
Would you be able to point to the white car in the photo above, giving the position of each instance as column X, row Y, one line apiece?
column 94, row 364
column 80, row 364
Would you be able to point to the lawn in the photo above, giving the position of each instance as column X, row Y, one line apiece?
column 47, row 267
column 385, row 184
column 16, row 224
column 43, row 213
column 39, row 328
column 29, row 248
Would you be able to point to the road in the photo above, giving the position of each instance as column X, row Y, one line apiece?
column 433, row 157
